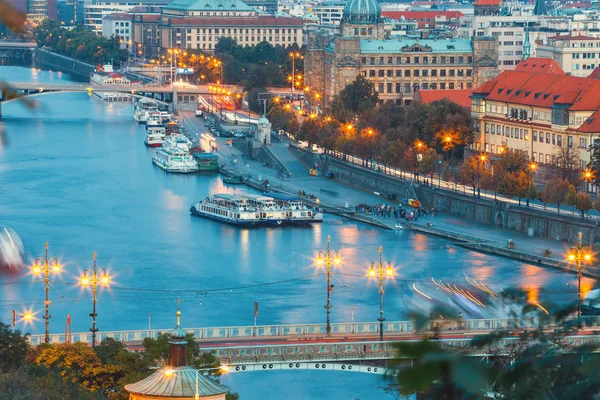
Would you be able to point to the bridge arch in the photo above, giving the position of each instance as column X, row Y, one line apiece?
column 312, row 365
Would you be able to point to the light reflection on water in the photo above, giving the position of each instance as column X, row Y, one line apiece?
column 84, row 182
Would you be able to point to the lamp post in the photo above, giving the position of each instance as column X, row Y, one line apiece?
column 326, row 258
column 587, row 176
column 579, row 254
column 85, row 281
column 373, row 273
column 42, row 265
column 294, row 55
column 483, row 159
column 223, row 368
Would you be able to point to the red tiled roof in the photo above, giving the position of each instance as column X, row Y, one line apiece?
column 422, row 17
column 595, row 73
column 541, row 65
column 592, row 124
column 569, row 37
column 262, row 20
column 487, row 3
column 543, row 90
column 118, row 17
column 462, row 97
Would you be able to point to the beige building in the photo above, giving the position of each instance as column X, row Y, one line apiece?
column 189, row 24
column 577, row 55
column 397, row 67
column 537, row 112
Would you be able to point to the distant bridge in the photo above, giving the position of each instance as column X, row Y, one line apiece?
column 165, row 94
column 17, row 45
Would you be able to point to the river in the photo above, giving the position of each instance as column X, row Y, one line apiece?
column 75, row 173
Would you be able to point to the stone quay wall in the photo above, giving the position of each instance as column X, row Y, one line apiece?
column 490, row 212
column 57, row 62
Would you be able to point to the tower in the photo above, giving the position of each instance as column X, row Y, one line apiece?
column 526, row 44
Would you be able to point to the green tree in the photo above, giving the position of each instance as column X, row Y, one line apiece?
column 253, row 102
column 359, row 95
column 392, row 153
column 108, row 350
column 224, row 46
column 429, row 163
column 492, row 178
column 470, row 172
column 514, row 161
column 571, row 196
column 596, row 204
column 532, row 193
column 13, row 348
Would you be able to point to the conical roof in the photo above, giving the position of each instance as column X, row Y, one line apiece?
column 176, row 382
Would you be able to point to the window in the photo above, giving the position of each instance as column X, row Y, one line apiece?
column 541, row 159
column 372, row 60
column 407, row 72
column 534, row 136
column 553, row 138
column 371, row 73
column 451, row 85
column 389, row 88
column 547, row 137
column 390, row 73
column 398, row 73
column 451, row 72
column 487, row 128
column 534, row 157
column 425, row 72
column 381, row 73
column 363, row 60
column 548, row 159
column 398, row 87
column 380, row 88
column 493, row 128
column 416, row 60
column 559, row 140
column 416, row 72
column 434, row 72
column 541, row 137
column 442, row 72
column 442, row 86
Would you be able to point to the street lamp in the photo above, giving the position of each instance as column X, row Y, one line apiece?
column 42, row 265
column 85, row 281
column 389, row 272
column 326, row 258
column 579, row 254
column 223, row 368
column 483, row 159
column 588, row 176
column 294, row 55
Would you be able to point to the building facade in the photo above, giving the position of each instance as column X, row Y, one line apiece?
column 199, row 24
column 329, row 12
column 397, row 67
column 537, row 113
column 577, row 55
column 95, row 12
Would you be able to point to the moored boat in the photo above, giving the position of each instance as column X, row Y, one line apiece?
column 233, row 179
column 154, row 138
column 226, row 208
column 143, row 108
column 207, row 162
column 174, row 156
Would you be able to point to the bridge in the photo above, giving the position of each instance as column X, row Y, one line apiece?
column 352, row 347
column 165, row 94
column 17, row 45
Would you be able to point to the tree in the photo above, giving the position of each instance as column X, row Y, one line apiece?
column 514, row 161
column 429, row 163
column 224, row 46
column 108, row 350
column 571, row 196
column 514, row 184
column 594, row 165
column 253, row 102
column 79, row 364
column 565, row 164
column 492, row 178
column 470, row 172
column 13, row 348
column 596, row 204
column 583, row 203
column 359, row 95
column 555, row 191
column 532, row 193
column 392, row 153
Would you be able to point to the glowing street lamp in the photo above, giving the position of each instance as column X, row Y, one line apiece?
column 85, row 281
column 373, row 273
column 42, row 265
column 579, row 254
column 326, row 258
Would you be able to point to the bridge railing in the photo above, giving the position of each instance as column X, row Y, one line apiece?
column 316, row 330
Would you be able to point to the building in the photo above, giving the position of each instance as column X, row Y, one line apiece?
column 426, row 19
column 537, row 112
column 396, row 66
column 329, row 12
column 199, row 24
column 65, row 10
column 576, row 55
column 117, row 25
column 177, row 380
column 461, row 97
column 486, row 7
column 37, row 10
column 267, row 6
column 96, row 11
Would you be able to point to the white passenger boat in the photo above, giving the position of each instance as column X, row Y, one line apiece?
column 266, row 210
column 154, row 119
column 173, row 158
column 227, row 208
column 180, row 141
column 154, row 137
column 143, row 108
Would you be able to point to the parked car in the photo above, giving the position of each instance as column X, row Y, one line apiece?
column 227, row 134
column 207, row 122
column 199, row 114
column 329, row 175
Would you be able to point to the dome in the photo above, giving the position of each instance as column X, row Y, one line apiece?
column 263, row 122
column 362, row 12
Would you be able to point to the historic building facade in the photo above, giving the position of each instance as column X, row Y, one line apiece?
column 539, row 110
column 396, row 66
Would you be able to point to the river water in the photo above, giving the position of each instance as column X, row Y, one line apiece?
column 75, row 173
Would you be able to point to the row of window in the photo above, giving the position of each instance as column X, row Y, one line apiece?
column 417, row 73
column 584, row 55
column 241, row 39
column 523, row 133
column 417, row 60
column 584, row 66
column 235, row 30
column 407, row 88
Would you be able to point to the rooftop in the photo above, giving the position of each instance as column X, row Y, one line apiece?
column 422, row 17
column 259, row 21
column 415, row 46
column 541, row 65
column 462, row 97
column 543, row 90
column 487, row 3
column 209, row 5
column 181, row 383
column 569, row 37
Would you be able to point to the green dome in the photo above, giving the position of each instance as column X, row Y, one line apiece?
column 362, row 12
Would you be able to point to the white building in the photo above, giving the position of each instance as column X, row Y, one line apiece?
column 96, row 11
column 576, row 55
column 117, row 25
column 329, row 12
